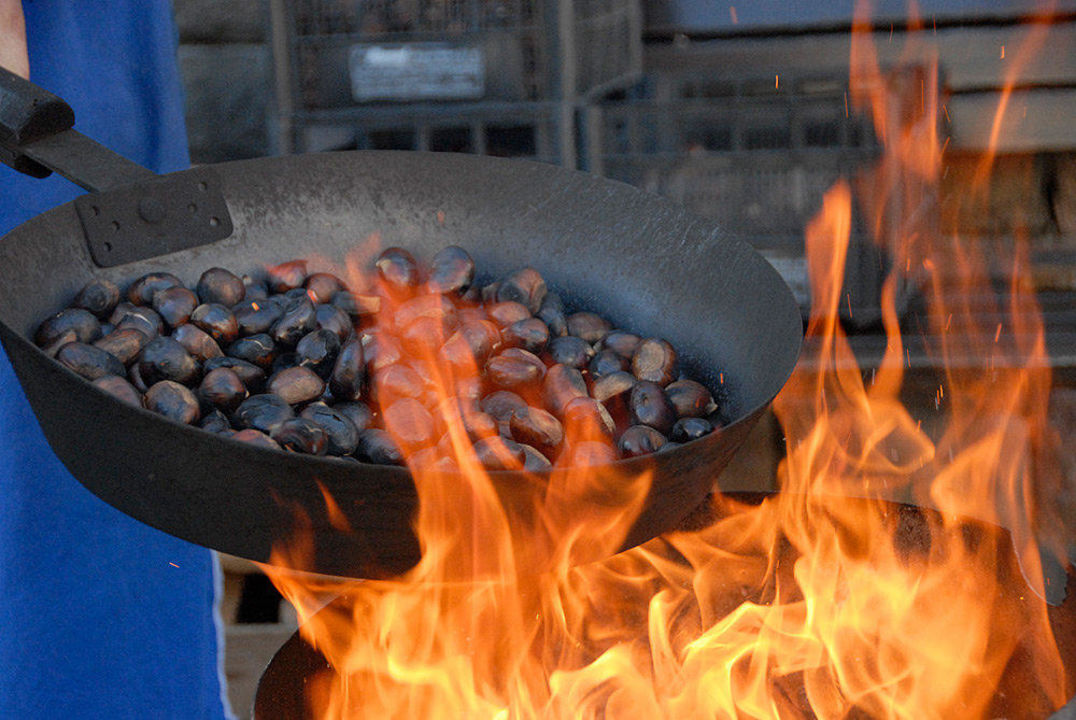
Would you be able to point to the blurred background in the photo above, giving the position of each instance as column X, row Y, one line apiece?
column 739, row 112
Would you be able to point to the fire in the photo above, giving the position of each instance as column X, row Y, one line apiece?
column 829, row 599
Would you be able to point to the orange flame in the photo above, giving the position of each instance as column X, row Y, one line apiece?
column 830, row 599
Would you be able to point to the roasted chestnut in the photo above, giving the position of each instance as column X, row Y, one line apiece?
column 175, row 305
column 81, row 322
column 165, row 359
column 174, row 401
column 217, row 321
column 99, row 297
column 452, row 270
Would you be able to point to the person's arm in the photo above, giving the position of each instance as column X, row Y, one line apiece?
column 13, row 38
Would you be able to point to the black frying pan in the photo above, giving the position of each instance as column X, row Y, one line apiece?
column 635, row 258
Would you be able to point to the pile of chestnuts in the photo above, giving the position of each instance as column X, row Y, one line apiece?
column 420, row 360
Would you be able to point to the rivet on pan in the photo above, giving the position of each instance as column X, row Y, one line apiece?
column 192, row 208
column 116, row 225
column 202, row 186
column 214, row 221
column 150, row 209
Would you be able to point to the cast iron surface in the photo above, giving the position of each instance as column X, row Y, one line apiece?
column 641, row 261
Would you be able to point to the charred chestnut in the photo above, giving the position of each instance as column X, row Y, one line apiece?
column 524, row 286
column 588, row 326
column 360, row 414
column 217, row 321
column 654, row 361
column 144, row 319
column 254, row 317
column 605, row 363
column 257, row 349
column 220, row 286
column 124, row 344
column 552, row 314
column 649, row 406
column 410, row 423
column 143, row 289
column 398, row 270
column 165, row 359
column 691, row 399
column 296, row 385
column 120, row 389
column 530, row 334
column 499, row 453
column 349, row 372
column 398, row 381
column 174, row 401
column 378, row 447
column 335, row 320
column 222, row 388
column 506, row 313
column 357, row 304
column 500, row 405
column 572, row 351
column 639, row 440
column 299, row 318
column 322, row 286
column 452, row 270
column 515, row 368
column 216, row 422
column 620, row 342
column 318, row 351
column 691, row 428
column 250, row 436
column 586, row 418
column 562, row 385
column 263, row 412
column 197, row 343
column 302, row 436
column 252, row 376
column 81, row 322
column 175, row 305
column 254, row 288
column 286, row 276
column 534, row 426
column 342, row 435
column 98, row 297
column 534, row 461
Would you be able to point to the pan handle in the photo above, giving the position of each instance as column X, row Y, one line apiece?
column 37, row 137
column 133, row 213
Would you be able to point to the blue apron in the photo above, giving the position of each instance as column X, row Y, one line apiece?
column 100, row 615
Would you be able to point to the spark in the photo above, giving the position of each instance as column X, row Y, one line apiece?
column 945, row 145
column 776, row 82
column 948, row 322
column 254, row 305
column 1002, row 52
column 997, row 335
column 848, row 296
column 173, row 564
column 732, row 14
column 945, row 109
column 846, row 103
column 721, row 378
column 440, row 217
column 313, row 297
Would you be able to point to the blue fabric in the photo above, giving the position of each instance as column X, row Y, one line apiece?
column 100, row 616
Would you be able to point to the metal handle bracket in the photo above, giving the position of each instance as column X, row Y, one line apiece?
column 156, row 217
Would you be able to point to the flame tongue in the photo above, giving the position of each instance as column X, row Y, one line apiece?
column 829, row 600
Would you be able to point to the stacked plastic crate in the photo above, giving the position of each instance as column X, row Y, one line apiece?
column 494, row 77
